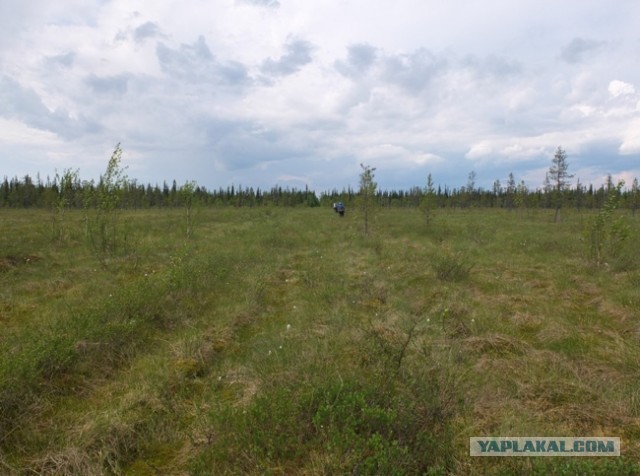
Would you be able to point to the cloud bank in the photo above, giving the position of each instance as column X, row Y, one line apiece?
column 261, row 92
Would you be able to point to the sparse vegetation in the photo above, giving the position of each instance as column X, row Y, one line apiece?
column 282, row 341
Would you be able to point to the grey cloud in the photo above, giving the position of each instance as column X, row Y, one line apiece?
column 65, row 60
column 242, row 145
column 298, row 54
column 19, row 102
column 26, row 106
column 196, row 63
column 139, row 34
column 233, row 72
column 492, row 65
column 579, row 48
column 360, row 58
column 262, row 3
column 108, row 84
column 412, row 71
column 146, row 30
column 186, row 57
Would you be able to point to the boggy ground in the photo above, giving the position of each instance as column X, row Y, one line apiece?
column 284, row 341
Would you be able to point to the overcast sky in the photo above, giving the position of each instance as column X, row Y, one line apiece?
column 300, row 92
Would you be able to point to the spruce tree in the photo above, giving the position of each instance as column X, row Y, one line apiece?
column 558, row 177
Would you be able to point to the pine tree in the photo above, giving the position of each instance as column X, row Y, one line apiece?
column 558, row 178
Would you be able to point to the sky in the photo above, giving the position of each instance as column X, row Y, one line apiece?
column 295, row 93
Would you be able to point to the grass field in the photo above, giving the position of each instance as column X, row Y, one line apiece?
column 284, row 341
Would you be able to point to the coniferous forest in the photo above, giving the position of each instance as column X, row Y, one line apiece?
column 27, row 192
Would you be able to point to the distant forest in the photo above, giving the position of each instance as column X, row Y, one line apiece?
column 71, row 192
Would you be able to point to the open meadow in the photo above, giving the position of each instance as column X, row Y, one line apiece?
column 276, row 340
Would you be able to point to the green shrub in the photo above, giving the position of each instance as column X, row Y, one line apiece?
column 450, row 266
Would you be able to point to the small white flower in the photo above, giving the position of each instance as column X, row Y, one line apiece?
column 219, row 377
column 428, row 320
column 288, row 327
column 295, row 307
column 473, row 320
column 269, row 353
column 280, row 347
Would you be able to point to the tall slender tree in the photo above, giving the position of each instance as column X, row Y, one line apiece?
column 367, row 193
column 429, row 200
column 511, row 191
column 559, row 178
column 635, row 196
column 470, row 189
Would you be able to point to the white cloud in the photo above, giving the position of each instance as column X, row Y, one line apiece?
column 620, row 88
column 480, row 150
column 15, row 132
column 631, row 139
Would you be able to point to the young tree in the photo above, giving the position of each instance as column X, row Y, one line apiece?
column 579, row 193
column 608, row 232
column 471, row 181
column 367, row 193
column 429, row 200
column 558, row 177
column 470, row 188
column 521, row 193
column 189, row 199
column 497, row 192
column 106, row 233
column 511, row 190
column 65, row 186
column 635, row 196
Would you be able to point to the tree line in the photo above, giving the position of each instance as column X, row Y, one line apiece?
column 26, row 192
column 67, row 190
